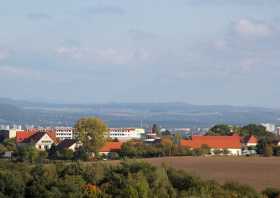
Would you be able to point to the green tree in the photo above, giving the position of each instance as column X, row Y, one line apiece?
column 2, row 148
column 10, row 144
column 11, row 184
column 81, row 154
column 92, row 132
column 221, row 129
column 237, row 190
column 67, row 154
column 177, row 139
column 27, row 153
column 271, row 192
column 253, row 129
column 137, row 186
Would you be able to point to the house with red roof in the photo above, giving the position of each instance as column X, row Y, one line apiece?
column 41, row 140
column 111, row 147
column 250, row 141
column 23, row 135
column 230, row 143
column 69, row 144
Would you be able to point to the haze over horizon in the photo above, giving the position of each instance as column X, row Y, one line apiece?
column 200, row 52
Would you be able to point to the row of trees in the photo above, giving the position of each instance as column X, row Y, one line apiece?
column 252, row 129
column 129, row 179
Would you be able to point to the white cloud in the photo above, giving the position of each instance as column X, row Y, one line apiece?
column 114, row 56
column 250, row 28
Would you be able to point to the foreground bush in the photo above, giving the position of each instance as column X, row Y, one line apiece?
column 128, row 179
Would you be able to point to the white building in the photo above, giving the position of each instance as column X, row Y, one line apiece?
column 64, row 133
column 269, row 127
column 125, row 134
column 42, row 141
column 69, row 144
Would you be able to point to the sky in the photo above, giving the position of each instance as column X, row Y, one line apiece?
column 100, row 51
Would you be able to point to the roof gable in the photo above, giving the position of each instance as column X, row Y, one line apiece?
column 251, row 140
column 36, row 137
column 65, row 144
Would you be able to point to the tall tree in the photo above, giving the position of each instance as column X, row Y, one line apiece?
column 256, row 130
column 91, row 132
column 221, row 129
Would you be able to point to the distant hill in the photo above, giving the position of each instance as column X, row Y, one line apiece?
column 131, row 114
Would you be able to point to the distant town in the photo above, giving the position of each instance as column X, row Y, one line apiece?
column 218, row 139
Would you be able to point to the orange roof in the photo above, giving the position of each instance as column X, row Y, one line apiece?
column 111, row 147
column 23, row 135
column 251, row 140
column 221, row 142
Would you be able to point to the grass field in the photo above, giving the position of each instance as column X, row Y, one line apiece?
column 257, row 172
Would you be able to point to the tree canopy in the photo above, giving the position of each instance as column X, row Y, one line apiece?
column 221, row 129
column 91, row 132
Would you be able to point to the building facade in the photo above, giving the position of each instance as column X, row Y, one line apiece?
column 63, row 133
column 125, row 134
column 42, row 141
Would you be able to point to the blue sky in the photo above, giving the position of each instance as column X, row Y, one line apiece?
column 98, row 51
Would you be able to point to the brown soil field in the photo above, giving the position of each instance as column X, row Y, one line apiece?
column 258, row 172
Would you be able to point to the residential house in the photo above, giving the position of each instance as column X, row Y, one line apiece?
column 42, row 141
column 111, row 147
column 250, row 141
column 230, row 143
column 69, row 144
column 23, row 135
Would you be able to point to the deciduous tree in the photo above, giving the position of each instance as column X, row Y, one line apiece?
column 92, row 132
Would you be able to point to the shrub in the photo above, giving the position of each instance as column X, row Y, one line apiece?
column 271, row 192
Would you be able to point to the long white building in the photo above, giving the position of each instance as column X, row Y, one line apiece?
column 64, row 132
column 125, row 134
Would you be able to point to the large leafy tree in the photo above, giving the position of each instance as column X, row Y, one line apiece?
column 27, row 153
column 91, row 132
column 221, row 129
column 253, row 129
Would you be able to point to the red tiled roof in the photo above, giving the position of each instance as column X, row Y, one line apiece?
column 34, row 138
column 251, row 140
column 111, row 147
column 221, row 142
column 23, row 135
